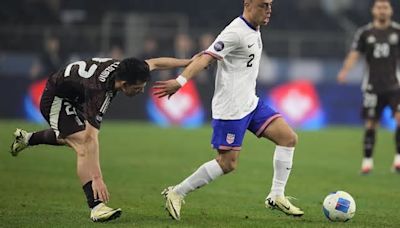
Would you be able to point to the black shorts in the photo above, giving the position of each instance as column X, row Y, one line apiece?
column 62, row 116
column 374, row 104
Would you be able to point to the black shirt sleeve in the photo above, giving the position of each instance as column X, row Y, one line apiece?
column 359, row 42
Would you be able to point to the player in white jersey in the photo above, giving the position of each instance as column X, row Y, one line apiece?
column 236, row 108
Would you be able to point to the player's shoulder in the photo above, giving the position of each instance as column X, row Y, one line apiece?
column 233, row 26
column 395, row 25
column 365, row 28
column 100, row 60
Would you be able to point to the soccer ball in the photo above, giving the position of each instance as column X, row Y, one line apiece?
column 339, row 206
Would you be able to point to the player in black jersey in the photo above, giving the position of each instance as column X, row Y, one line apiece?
column 379, row 43
column 74, row 102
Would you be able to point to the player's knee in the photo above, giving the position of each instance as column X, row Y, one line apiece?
column 228, row 164
column 290, row 140
column 80, row 142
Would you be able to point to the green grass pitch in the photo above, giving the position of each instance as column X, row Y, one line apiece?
column 39, row 188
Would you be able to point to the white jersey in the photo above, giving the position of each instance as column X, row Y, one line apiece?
column 238, row 48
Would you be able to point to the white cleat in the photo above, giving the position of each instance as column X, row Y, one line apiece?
column 367, row 165
column 283, row 204
column 173, row 202
column 21, row 138
column 102, row 213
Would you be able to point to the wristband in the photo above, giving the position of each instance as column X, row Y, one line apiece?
column 181, row 80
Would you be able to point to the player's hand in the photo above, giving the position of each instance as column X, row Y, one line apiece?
column 100, row 190
column 166, row 88
column 341, row 78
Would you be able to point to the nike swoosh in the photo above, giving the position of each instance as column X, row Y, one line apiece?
column 287, row 208
column 250, row 45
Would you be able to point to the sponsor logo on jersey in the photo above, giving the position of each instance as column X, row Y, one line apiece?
column 99, row 118
column 230, row 138
column 371, row 39
column 219, row 46
column 106, row 72
column 393, row 39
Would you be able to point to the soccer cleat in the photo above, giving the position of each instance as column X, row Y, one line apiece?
column 283, row 204
column 173, row 202
column 102, row 213
column 21, row 138
column 367, row 166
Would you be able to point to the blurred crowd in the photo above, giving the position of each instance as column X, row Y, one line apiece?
column 39, row 36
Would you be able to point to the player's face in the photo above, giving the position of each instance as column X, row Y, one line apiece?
column 382, row 11
column 132, row 90
column 261, row 11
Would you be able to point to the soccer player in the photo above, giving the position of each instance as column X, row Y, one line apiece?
column 378, row 43
column 236, row 108
column 74, row 102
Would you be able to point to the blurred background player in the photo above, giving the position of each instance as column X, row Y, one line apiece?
column 236, row 108
column 74, row 102
column 378, row 41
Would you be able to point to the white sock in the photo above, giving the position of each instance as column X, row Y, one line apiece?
column 367, row 162
column 397, row 159
column 283, row 159
column 206, row 173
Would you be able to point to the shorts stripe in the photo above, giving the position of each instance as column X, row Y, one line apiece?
column 265, row 125
column 235, row 148
column 55, row 114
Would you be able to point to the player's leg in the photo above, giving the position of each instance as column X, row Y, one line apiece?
column 285, row 139
column 395, row 106
column 396, row 161
column 50, row 107
column 85, row 143
column 369, row 142
column 225, row 162
column 371, row 111
column 227, row 140
column 267, row 123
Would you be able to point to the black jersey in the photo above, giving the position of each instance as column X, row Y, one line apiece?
column 382, row 51
column 88, row 85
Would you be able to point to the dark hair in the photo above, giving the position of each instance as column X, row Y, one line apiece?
column 376, row 1
column 133, row 71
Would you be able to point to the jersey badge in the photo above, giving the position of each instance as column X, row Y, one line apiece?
column 219, row 46
column 230, row 138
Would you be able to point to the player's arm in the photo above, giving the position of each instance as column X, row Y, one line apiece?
column 91, row 161
column 349, row 62
column 95, row 104
column 168, row 88
column 226, row 42
column 165, row 63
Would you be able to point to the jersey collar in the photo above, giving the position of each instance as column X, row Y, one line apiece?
column 248, row 23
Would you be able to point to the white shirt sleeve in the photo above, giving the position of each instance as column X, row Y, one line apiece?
column 226, row 42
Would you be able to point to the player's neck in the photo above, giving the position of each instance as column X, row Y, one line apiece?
column 382, row 24
column 250, row 21
column 118, row 85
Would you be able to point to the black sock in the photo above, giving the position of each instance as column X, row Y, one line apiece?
column 44, row 137
column 397, row 138
column 87, row 188
column 369, row 142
